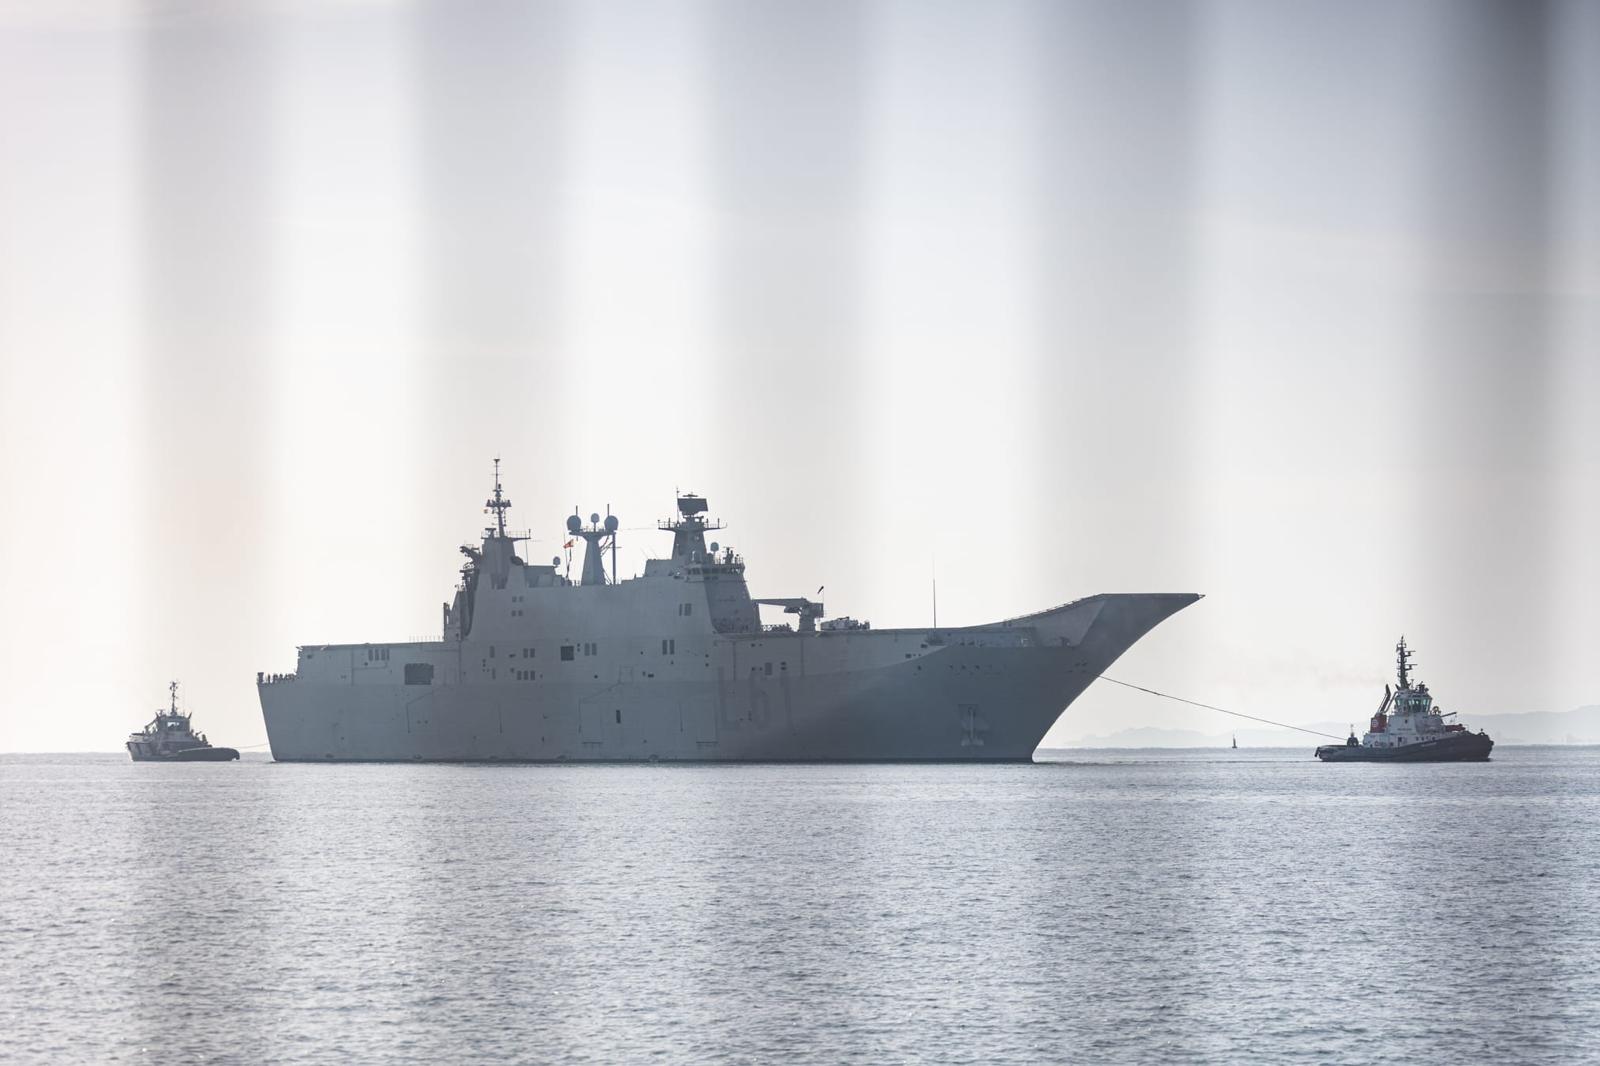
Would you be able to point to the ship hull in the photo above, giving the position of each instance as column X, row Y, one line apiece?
column 979, row 694
column 1462, row 747
column 190, row 755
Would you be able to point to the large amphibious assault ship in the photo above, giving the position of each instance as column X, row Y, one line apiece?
column 675, row 664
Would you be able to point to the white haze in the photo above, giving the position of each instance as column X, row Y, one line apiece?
column 1293, row 304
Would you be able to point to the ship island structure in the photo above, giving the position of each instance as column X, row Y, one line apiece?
column 676, row 665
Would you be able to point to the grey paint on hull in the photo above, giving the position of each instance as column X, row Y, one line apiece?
column 983, row 693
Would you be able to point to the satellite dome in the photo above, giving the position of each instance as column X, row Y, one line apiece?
column 715, row 547
column 611, row 523
column 574, row 523
column 594, row 518
column 555, row 560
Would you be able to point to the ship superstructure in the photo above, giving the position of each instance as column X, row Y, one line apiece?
column 675, row 664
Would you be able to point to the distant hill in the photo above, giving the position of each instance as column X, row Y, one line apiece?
column 1580, row 725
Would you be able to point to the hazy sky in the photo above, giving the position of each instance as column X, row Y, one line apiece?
column 1294, row 304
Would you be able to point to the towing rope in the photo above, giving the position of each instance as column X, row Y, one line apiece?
column 1222, row 710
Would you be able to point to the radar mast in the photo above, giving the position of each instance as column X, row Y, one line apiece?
column 498, row 503
column 599, row 536
column 689, row 529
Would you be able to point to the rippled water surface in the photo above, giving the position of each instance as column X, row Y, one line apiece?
column 1117, row 906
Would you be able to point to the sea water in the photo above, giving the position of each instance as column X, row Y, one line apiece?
column 1110, row 906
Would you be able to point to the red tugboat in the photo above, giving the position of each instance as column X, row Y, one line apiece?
column 1410, row 728
column 170, row 738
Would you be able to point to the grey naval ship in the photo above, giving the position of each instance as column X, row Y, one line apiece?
column 675, row 664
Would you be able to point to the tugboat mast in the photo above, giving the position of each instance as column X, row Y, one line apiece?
column 1403, row 660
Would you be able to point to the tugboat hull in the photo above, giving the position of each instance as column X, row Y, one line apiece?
column 190, row 755
column 1461, row 747
column 206, row 755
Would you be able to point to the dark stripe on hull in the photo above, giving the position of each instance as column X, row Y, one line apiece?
column 1469, row 748
column 192, row 755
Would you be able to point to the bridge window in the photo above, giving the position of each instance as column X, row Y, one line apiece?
column 619, row 715
column 568, row 652
column 419, row 673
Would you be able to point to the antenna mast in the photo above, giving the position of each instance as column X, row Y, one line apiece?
column 498, row 503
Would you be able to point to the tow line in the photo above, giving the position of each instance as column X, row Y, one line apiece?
column 1220, row 710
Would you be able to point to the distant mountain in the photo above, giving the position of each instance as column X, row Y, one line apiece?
column 1578, row 726
column 1581, row 725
